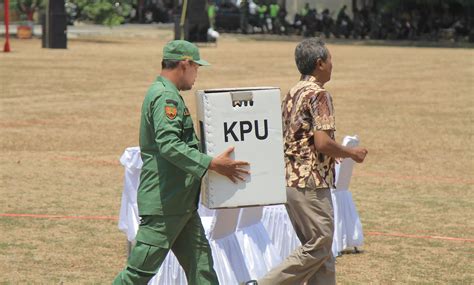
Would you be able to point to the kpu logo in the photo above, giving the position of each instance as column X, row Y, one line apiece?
column 244, row 127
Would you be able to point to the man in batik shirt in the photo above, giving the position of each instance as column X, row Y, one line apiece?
column 310, row 155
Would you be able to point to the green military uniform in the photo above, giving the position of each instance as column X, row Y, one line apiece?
column 169, row 184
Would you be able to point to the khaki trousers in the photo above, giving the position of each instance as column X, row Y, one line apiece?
column 311, row 214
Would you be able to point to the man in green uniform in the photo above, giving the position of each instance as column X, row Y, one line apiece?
column 274, row 9
column 211, row 13
column 171, row 176
column 262, row 14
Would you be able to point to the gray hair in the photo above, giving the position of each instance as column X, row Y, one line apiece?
column 308, row 52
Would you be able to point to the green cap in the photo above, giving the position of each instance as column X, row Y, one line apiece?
column 182, row 50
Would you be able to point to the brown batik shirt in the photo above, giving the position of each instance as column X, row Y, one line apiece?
column 307, row 108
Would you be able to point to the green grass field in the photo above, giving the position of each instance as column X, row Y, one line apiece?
column 67, row 116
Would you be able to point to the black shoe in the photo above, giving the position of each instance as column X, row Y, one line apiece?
column 251, row 282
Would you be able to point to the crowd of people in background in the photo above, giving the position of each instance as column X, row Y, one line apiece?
column 415, row 22
column 410, row 20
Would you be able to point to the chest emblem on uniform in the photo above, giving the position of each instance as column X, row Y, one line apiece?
column 186, row 112
column 171, row 112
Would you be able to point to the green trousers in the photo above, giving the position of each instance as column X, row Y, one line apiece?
column 157, row 235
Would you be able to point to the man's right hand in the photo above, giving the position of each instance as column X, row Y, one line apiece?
column 358, row 154
column 232, row 169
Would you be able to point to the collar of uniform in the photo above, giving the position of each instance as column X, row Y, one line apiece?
column 167, row 83
column 311, row 78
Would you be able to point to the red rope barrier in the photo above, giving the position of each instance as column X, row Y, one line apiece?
column 419, row 237
column 6, row 47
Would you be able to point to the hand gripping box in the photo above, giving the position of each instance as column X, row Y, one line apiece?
column 250, row 120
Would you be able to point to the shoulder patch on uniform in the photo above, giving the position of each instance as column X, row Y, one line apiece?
column 171, row 112
column 169, row 101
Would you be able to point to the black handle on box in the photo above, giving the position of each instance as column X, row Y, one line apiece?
column 242, row 98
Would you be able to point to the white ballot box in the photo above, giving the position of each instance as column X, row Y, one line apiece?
column 250, row 120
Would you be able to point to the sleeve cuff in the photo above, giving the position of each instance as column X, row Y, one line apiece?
column 204, row 165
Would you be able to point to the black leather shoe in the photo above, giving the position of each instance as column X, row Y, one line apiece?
column 251, row 282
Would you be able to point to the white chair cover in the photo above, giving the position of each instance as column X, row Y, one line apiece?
column 204, row 211
column 276, row 221
column 259, row 253
column 128, row 217
column 170, row 272
column 347, row 226
column 229, row 261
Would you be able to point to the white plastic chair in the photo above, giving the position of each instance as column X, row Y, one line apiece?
column 259, row 253
column 276, row 221
column 347, row 226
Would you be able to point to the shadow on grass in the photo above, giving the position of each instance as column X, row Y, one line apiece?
column 353, row 250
